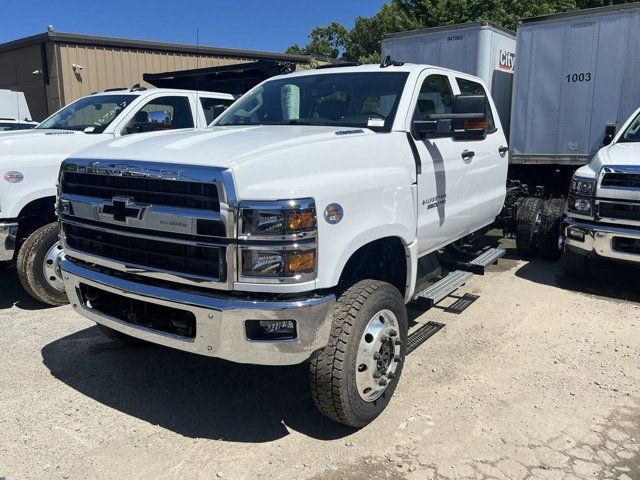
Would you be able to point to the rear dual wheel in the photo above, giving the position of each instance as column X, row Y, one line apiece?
column 539, row 228
column 353, row 378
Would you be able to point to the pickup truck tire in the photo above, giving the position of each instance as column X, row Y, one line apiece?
column 528, row 227
column 36, row 266
column 551, row 229
column 368, row 313
column 121, row 338
column 575, row 264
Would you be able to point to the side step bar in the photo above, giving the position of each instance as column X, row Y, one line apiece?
column 443, row 288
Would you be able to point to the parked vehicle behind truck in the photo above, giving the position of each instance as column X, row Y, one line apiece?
column 603, row 208
column 30, row 163
column 296, row 228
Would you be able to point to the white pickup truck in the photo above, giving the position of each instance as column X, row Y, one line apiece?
column 296, row 228
column 603, row 208
column 30, row 162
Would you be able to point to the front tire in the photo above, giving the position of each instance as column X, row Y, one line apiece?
column 38, row 266
column 353, row 378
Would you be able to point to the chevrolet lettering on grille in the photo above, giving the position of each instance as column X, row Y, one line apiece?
column 122, row 209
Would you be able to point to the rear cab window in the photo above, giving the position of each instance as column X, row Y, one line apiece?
column 469, row 87
column 213, row 107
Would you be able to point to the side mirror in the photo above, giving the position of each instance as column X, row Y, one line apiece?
column 466, row 121
column 159, row 116
column 610, row 132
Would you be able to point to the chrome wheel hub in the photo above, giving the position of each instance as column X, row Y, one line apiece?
column 378, row 355
column 51, row 267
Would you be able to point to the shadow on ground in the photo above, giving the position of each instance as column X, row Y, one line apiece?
column 195, row 396
column 606, row 279
column 12, row 293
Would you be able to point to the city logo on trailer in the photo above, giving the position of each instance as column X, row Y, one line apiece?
column 507, row 59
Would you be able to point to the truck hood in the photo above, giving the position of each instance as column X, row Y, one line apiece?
column 44, row 143
column 226, row 147
column 622, row 154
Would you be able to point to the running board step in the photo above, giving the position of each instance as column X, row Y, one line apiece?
column 489, row 257
column 443, row 288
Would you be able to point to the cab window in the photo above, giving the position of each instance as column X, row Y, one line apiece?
column 468, row 87
column 212, row 107
column 165, row 113
column 435, row 96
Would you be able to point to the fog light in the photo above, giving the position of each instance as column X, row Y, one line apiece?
column 271, row 329
column 574, row 234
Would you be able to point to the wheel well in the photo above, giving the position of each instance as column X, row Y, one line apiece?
column 34, row 215
column 384, row 259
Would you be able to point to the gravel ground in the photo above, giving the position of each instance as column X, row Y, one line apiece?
column 539, row 378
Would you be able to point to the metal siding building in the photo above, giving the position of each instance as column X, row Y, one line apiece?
column 41, row 66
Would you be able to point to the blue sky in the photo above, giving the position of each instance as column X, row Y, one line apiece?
column 269, row 25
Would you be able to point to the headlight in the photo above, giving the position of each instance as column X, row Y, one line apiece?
column 277, row 241
column 293, row 263
column 287, row 219
column 582, row 205
column 582, row 186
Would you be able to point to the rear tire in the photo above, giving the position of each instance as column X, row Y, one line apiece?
column 576, row 265
column 369, row 320
column 37, row 266
column 528, row 227
column 121, row 338
column 551, row 229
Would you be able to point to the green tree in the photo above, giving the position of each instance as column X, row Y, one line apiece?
column 326, row 41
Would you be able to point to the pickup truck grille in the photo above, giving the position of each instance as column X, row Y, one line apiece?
column 170, row 193
column 170, row 256
column 621, row 211
column 621, row 180
column 160, row 221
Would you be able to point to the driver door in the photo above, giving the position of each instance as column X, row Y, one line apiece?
column 445, row 184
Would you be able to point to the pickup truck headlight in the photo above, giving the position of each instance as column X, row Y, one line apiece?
column 582, row 186
column 582, row 205
column 277, row 241
column 287, row 219
column 274, row 263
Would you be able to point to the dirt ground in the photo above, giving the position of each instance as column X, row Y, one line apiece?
column 539, row 378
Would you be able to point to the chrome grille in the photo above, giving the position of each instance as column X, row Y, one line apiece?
column 621, row 180
column 163, row 221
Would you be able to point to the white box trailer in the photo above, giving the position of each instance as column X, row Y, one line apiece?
column 481, row 49
column 577, row 72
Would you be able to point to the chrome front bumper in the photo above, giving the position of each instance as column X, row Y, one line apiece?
column 8, row 236
column 220, row 320
column 599, row 239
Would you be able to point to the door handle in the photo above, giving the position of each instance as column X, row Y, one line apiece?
column 467, row 154
column 503, row 150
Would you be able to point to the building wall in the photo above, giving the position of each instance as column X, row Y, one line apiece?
column 112, row 67
column 16, row 73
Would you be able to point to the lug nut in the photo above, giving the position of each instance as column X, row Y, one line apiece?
column 393, row 333
column 391, row 375
column 376, row 356
column 376, row 375
column 382, row 382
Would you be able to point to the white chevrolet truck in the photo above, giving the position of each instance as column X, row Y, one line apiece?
column 295, row 228
column 30, row 162
column 603, row 208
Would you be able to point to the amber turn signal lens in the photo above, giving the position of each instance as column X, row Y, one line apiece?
column 301, row 220
column 304, row 262
column 476, row 125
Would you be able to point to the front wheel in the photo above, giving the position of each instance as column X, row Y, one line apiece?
column 551, row 241
column 38, row 266
column 353, row 378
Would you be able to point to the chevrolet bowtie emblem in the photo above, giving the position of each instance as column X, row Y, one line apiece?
column 123, row 208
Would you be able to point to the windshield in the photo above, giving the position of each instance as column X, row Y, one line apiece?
column 367, row 100
column 632, row 133
column 89, row 114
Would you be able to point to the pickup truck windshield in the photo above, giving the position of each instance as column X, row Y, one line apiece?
column 632, row 133
column 89, row 114
column 366, row 100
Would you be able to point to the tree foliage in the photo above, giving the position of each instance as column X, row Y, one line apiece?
column 362, row 42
